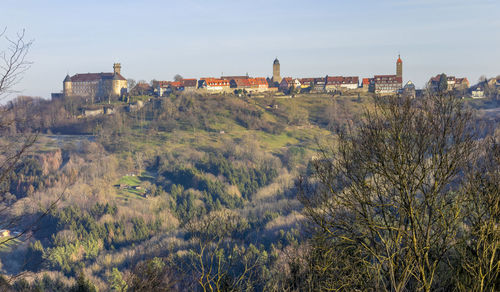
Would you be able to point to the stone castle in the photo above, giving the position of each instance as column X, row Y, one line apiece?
column 96, row 85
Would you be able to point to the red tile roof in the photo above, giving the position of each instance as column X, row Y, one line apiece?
column 191, row 82
column 258, row 81
column 215, row 82
column 337, row 80
column 242, row 82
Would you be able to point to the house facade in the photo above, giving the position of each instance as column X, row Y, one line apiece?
column 384, row 84
column 289, row 82
column 214, row 84
column 258, row 84
column 477, row 92
column 341, row 83
column 189, row 84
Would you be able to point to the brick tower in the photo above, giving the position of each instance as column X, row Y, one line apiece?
column 399, row 67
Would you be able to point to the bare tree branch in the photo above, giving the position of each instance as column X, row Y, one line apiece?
column 13, row 63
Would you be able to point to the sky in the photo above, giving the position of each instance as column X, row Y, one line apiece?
column 155, row 39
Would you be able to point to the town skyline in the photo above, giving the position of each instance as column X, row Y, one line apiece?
column 316, row 44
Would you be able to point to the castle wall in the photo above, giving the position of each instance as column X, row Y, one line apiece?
column 85, row 88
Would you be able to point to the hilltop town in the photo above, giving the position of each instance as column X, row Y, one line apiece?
column 147, row 173
column 102, row 87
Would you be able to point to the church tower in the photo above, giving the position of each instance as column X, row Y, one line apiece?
column 276, row 71
column 399, row 67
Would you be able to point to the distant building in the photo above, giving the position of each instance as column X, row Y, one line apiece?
column 259, row 83
column 340, row 82
column 477, row 92
column 461, row 84
column 387, row 83
column 409, row 90
column 316, row 84
column 307, row 82
column 365, row 84
column 276, row 71
column 319, row 84
column 189, row 84
column 213, row 84
column 143, row 88
column 247, row 83
column 240, row 83
column 162, row 88
column 58, row 95
column 453, row 83
column 96, row 84
column 234, row 77
column 288, row 82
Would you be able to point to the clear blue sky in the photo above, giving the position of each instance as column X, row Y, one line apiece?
column 155, row 39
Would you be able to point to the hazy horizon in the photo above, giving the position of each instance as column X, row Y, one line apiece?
column 158, row 39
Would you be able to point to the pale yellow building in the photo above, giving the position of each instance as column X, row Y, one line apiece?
column 96, row 85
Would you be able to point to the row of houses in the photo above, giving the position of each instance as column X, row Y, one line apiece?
column 100, row 85
column 209, row 84
column 378, row 84
column 320, row 84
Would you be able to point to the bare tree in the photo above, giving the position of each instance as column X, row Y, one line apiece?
column 12, row 66
column 150, row 275
column 216, row 265
column 131, row 84
column 13, row 61
column 177, row 77
column 387, row 193
column 479, row 251
column 14, row 145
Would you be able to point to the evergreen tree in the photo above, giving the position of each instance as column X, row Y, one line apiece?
column 443, row 83
column 116, row 282
column 83, row 285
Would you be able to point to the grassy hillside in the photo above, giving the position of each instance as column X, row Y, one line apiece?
column 136, row 186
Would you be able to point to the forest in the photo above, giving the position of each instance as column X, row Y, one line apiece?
column 198, row 192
